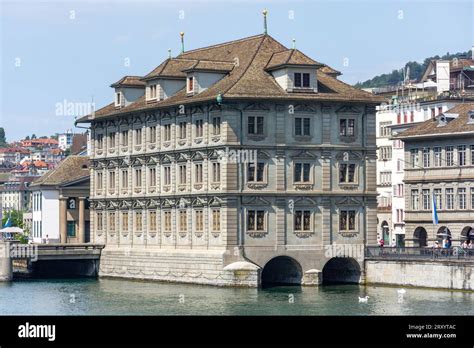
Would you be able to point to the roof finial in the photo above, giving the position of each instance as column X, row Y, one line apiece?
column 169, row 53
column 182, row 41
column 294, row 43
column 265, row 12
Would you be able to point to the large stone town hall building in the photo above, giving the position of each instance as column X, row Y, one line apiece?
column 176, row 194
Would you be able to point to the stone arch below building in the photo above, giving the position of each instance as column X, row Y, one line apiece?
column 282, row 270
column 420, row 237
column 342, row 270
column 467, row 233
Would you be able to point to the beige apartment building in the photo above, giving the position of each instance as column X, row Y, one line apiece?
column 233, row 164
column 439, row 154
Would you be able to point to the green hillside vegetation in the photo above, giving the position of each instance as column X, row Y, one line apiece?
column 416, row 72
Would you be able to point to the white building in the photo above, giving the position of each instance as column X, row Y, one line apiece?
column 65, row 140
column 411, row 105
column 59, row 204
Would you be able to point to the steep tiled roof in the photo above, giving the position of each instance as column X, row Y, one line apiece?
column 129, row 81
column 329, row 71
column 212, row 65
column 71, row 169
column 172, row 67
column 248, row 78
column 459, row 124
column 290, row 57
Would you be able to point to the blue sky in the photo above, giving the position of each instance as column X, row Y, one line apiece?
column 50, row 55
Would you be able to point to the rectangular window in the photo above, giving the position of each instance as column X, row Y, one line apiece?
column 216, row 172
column 199, row 128
column 216, row 220
column 138, row 221
column 125, row 221
column 426, row 199
column 100, row 141
column 472, row 155
column 462, row 155
column 111, row 180
column 414, row 159
column 437, row 156
column 347, row 220
column 124, row 178
column 118, row 99
column 302, row 220
column 112, row 140
column 199, row 220
column 183, row 221
column 167, row 132
column 384, row 129
column 100, row 221
column 167, row 175
column 256, row 220
column 433, row 112
column 167, row 221
column 255, row 173
column 100, row 181
column 152, row 176
column 302, row 172
column 255, row 125
column 399, row 118
column 138, row 178
column 399, row 165
column 190, row 84
column 412, row 116
column 152, row 91
column 198, row 173
column 125, row 138
column 305, row 80
column 462, row 198
column 347, row 172
column 415, row 200
column 472, row 198
column 405, row 117
column 182, row 130
column 138, row 136
column 298, row 82
column 71, row 228
column 385, row 153
column 347, row 127
column 440, row 110
column 152, row 134
column 399, row 215
column 182, row 174
column 426, row 157
column 449, row 155
column 302, row 126
column 152, row 223
column 438, row 198
column 449, row 198
column 112, row 221
column 216, row 125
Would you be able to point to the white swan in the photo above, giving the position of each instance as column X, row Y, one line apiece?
column 401, row 291
column 364, row 299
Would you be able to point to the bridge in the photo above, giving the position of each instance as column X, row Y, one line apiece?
column 46, row 259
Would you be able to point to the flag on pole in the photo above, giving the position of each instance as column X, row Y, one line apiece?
column 434, row 212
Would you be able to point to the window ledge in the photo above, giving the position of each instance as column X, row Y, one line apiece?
column 257, row 185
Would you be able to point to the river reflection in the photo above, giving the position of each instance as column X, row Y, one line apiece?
column 120, row 297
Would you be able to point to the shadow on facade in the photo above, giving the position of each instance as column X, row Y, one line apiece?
column 282, row 270
column 341, row 270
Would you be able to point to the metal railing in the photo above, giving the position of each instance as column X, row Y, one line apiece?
column 416, row 253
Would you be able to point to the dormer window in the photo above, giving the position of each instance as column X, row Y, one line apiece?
column 190, row 84
column 118, row 98
column 153, row 92
column 301, row 80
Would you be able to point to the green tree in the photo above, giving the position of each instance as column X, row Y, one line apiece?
column 16, row 218
column 33, row 136
column 27, row 137
column 3, row 140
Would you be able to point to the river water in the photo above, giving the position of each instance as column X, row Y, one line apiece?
column 121, row 297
